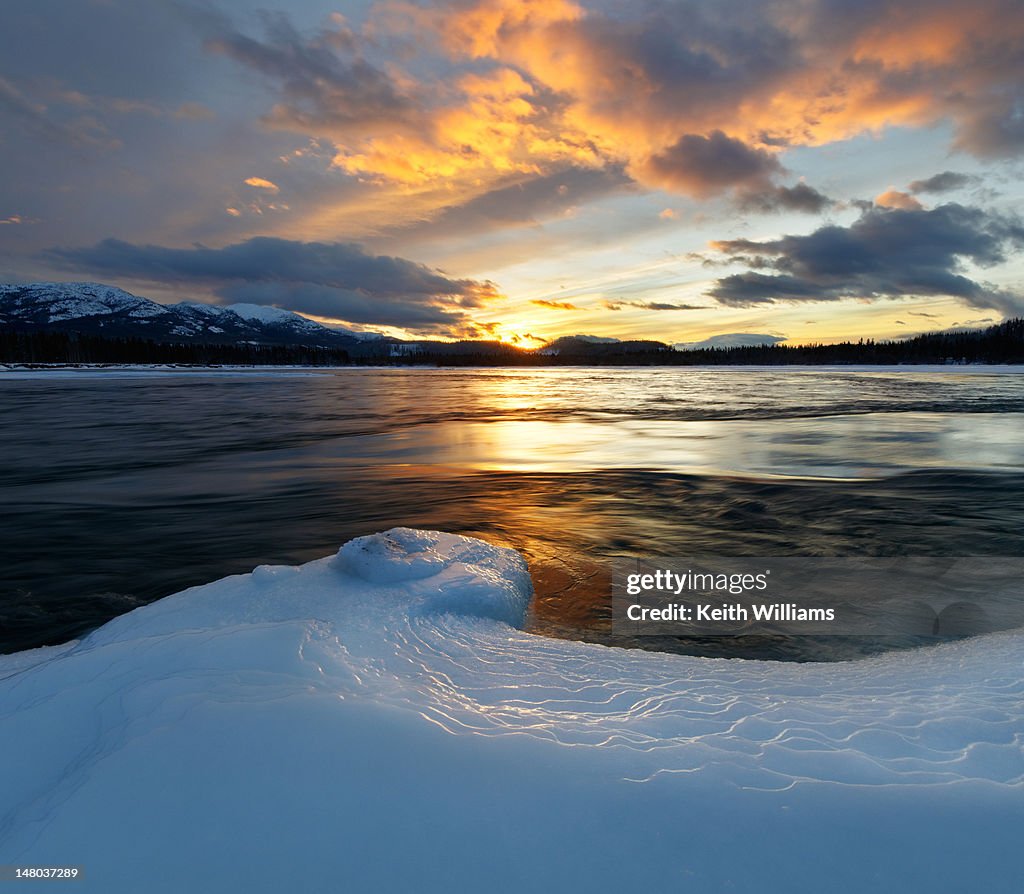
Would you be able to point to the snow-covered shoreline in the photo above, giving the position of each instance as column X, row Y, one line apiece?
column 375, row 721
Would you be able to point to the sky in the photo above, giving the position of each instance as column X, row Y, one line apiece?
column 813, row 170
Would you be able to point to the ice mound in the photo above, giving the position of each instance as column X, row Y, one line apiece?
column 375, row 720
column 397, row 555
column 462, row 576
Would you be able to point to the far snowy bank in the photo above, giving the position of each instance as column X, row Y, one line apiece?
column 376, row 722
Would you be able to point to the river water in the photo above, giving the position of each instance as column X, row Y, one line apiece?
column 120, row 486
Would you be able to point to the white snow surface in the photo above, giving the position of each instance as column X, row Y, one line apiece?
column 199, row 307
column 376, row 722
column 264, row 313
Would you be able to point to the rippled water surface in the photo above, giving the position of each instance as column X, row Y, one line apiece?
column 121, row 487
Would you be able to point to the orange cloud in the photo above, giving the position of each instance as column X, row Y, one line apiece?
column 635, row 86
column 495, row 126
column 893, row 198
column 554, row 305
column 477, row 30
column 260, row 183
column 906, row 36
column 702, row 104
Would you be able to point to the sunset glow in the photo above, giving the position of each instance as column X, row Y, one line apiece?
column 520, row 170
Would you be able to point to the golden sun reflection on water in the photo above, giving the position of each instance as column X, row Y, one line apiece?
column 845, row 447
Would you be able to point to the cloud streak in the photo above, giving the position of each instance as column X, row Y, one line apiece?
column 651, row 305
column 554, row 305
column 947, row 181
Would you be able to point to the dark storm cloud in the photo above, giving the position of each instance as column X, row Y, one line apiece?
column 786, row 198
column 886, row 253
column 705, row 165
column 947, row 181
column 338, row 280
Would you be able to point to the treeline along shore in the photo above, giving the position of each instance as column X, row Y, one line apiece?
column 1001, row 343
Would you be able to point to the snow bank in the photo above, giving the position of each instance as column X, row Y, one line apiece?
column 374, row 721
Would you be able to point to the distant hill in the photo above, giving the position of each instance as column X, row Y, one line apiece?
column 594, row 347
column 732, row 340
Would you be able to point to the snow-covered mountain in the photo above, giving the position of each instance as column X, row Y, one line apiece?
column 96, row 309
column 56, row 302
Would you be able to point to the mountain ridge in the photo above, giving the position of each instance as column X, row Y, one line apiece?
column 98, row 309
